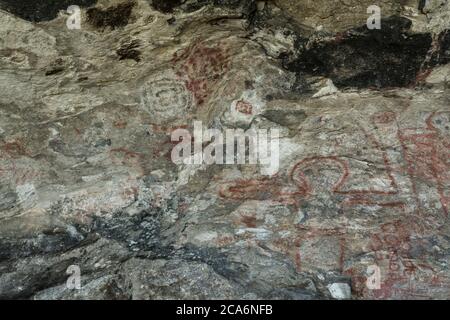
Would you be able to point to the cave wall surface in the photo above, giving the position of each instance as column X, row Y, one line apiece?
column 87, row 179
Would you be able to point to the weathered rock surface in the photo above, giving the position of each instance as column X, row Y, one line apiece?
column 87, row 178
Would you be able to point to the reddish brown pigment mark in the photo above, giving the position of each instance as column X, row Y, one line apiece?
column 201, row 66
column 120, row 124
column 244, row 107
column 127, row 158
column 426, row 155
column 392, row 246
column 14, row 149
column 131, row 191
column 300, row 186
column 165, row 145
column 249, row 221
column 298, row 176
column 265, row 188
column 11, row 151
column 291, row 245
column 223, row 241
column 339, row 37
column 384, row 117
column 421, row 77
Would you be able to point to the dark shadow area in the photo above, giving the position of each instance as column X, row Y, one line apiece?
column 113, row 17
column 361, row 58
column 40, row 10
column 166, row 6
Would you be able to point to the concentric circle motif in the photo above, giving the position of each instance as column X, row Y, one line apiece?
column 166, row 98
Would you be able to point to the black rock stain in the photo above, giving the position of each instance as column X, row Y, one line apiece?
column 56, row 68
column 40, row 10
column 113, row 17
column 166, row 6
column 422, row 4
column 443, row 54
column 54, row 71
column 129, row 51
column 363, row 58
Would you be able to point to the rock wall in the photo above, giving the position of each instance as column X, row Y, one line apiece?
column 87, row 177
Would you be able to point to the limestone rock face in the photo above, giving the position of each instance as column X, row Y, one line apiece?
column 357, row 206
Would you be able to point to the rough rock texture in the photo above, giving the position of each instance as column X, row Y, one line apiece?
column 87, row 178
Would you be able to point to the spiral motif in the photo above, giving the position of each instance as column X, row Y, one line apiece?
column 166, row 98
